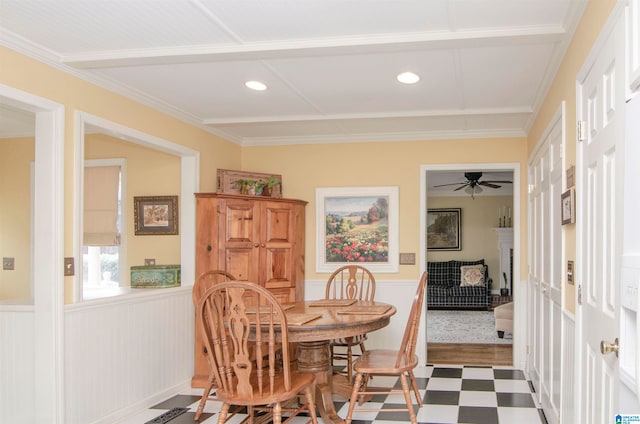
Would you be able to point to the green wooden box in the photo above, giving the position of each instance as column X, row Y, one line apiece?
column 155, row 276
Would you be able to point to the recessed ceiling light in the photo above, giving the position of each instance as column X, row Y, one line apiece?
column 256, row 85
column 408, row 78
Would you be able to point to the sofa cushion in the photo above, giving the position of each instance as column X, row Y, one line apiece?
column 470, row 291
column 438, row 273
column 454, row 269
column 471, row 275
column 437, row 291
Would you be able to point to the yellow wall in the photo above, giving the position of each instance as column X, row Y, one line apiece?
column 16, row 156
column 478, row 238
column 564, row 89
column 149, row 173
column 36, row 78
column 306, row 167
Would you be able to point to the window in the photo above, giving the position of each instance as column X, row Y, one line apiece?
column 102, row 250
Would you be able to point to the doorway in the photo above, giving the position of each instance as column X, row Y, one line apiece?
column 506, row 216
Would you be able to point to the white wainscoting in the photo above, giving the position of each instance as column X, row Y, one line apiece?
column 17, row 380
column 399, row 293
column 568, row 406
column 125, row 354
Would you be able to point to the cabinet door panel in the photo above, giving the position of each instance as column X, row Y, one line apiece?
column 284, row 295
column 240, row 222
column 278, row 226
column 240, row 262
column 239, row 239
column 278, row 267
column 278, row 240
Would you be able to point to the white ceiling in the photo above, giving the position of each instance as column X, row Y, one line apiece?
column 330, row 65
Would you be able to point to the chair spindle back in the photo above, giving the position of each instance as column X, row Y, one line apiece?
column 351, row 282
column 247, row 344
column 410, row 337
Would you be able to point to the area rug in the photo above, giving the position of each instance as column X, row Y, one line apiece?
column 463, row 327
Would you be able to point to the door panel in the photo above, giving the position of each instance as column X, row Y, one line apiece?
column 240, row 239
column 545, row 279
column 601, row 99
column 277, row 236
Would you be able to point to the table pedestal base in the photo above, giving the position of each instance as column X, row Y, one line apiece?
column 315, row 357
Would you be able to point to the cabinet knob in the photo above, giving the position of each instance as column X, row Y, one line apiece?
column 262, row 245
column 209, row 248
column 256, row 245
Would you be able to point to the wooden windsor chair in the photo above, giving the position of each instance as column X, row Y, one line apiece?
column 245, row 331
column 399, row 363
column 205, row 281
column 351, row 282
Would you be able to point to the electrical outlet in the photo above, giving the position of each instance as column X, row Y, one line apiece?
column 69, row 268
column 8, row 263
column 150, row 261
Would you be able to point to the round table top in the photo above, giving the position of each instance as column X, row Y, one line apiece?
column 332, row 321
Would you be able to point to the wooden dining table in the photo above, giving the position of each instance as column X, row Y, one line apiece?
column 313, row 324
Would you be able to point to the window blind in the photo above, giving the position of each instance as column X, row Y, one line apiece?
column 101, row 186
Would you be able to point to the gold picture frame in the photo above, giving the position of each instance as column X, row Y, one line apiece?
column 155, row 215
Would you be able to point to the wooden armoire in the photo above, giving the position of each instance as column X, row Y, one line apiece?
column 255, row 238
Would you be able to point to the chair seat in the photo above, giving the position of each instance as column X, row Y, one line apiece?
column 298, row 381
column 383, row 361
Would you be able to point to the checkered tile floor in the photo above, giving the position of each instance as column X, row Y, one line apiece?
column 451, row 394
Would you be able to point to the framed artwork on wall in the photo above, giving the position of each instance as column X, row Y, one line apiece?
column 155, row 215
column 357, row 225
column 568, row 205
column 443, row 229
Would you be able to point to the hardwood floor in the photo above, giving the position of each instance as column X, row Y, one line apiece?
column 470, row 354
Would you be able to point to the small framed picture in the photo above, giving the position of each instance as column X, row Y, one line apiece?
column 155, row 215
column 568, row 205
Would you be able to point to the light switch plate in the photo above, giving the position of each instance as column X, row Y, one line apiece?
column 570, row 272
column 8, row 263
column 407, row 258
column 69, row 268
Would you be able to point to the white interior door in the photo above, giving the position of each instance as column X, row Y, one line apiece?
column 545, row 272
column 599, row 222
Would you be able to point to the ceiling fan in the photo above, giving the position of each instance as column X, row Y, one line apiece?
column 473, row 183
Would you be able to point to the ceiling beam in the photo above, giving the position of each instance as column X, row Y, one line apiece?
column 525, row 110
column 366, row 44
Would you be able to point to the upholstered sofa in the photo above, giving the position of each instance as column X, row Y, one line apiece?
column 447, row 290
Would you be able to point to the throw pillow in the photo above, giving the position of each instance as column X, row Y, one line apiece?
column 472, row 275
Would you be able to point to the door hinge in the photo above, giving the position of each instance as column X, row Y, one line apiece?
column 579, row 294
column 582, row 130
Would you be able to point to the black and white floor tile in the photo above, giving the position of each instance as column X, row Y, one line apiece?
column 450, row 393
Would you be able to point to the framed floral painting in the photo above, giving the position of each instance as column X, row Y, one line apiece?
column 357, row 225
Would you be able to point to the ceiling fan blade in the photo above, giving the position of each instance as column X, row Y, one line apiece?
column 488, row 184
column 445, row 185
column 462, row 186
column 499, row 181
